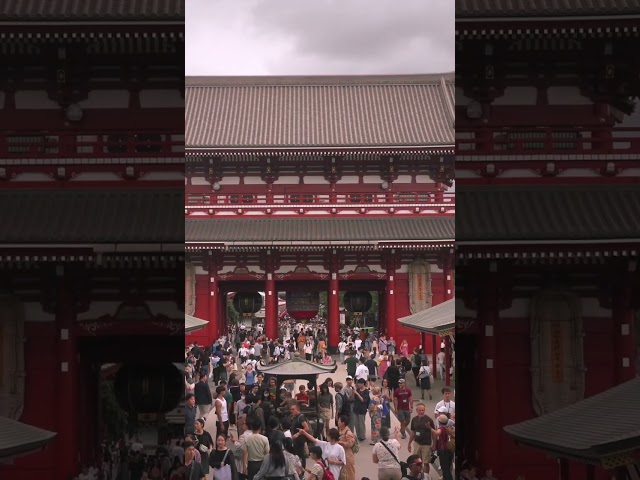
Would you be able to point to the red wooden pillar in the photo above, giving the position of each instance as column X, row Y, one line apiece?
column 392, row 321
column 334, row 311
column 213, row 329
column 624, row 334
column 564, row 469
column 488, row 404
column 270, row 307
column 68, row 417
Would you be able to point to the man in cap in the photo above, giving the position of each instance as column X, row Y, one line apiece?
column 403, row 399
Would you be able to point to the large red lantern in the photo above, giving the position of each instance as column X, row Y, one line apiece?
column 148, row 388
column 357, row 302
column 303, row 305
column 247, row 303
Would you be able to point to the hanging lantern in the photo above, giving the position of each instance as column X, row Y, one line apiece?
column 357, row 302
column 303, row 305
column 148, row 388
column 247, row 303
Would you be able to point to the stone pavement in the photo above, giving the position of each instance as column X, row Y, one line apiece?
column 364, row 464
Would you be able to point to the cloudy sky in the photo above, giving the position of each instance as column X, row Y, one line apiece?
column 319, row 37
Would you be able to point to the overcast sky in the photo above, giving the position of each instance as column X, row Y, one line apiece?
column 319, row 37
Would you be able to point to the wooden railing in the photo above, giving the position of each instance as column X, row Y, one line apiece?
column 218, row 202
column 545, row 141
column 74, row 144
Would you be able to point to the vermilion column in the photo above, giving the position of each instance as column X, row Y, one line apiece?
column 334, row 311
column 270, row 307
column 68, row 417
column 488, row 405
column 624, row 334
column 392, row 321
column 213, row 329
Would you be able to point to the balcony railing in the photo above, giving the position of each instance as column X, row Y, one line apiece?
column 333, row 202
column 56, row 144
column 548, row 141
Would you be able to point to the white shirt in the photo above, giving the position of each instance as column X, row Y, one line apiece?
column 223, row 409
column 333, row 451
column 441, row 358
column 342, row 347
column 450, row 406
column 362, row 371
column 358, row 343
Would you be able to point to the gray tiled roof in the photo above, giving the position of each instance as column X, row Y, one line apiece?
column 563, row 212
column 17, row 438
column 544, row 8
column 297, row 366
column 595, row 426
column 92, row 216
column 432, row 320
column 191, row 324
column 399, row 110
column 266, row 230
column 91, row 10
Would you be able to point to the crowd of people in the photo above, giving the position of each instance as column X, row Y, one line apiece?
column 263, row 431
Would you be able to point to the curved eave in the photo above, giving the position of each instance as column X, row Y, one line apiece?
column 438, row 320
column 280, row 369
column 191, row 324
column 18, row 439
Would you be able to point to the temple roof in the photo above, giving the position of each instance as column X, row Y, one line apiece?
column 338, row 111
column 64, row 216
column 439, row 319
column 191, row 324
column 297, row 366
column 265, row 231
column 517, row 213
column 17, row 438
column 592, row 428
column 544, row 8
column 91, row 10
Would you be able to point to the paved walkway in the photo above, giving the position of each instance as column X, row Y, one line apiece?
column 364, row 464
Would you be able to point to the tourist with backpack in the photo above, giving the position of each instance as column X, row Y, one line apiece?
column 318, row 470
column 445, row 446
column 385, row 454
column 332, row 452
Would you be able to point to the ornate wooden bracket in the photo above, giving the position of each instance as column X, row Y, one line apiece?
column 269, row 169
column 332, row 169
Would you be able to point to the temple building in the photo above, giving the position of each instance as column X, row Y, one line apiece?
column 547, row 278
column 91, row 244
column 302, row 185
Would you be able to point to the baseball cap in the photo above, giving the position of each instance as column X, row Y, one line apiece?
column 349, row 377
column 401, row 381
column 442, row 410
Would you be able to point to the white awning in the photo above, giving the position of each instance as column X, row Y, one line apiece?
column 438, row 320
column 192, row 324
column 17, row 438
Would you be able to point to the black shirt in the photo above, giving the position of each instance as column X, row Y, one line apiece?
column 361, row 406
column 372, row 365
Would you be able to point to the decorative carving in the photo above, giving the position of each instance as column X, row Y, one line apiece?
column 420, row 294
column 557, row 350
column 12, row 367
column 332, row 169
column 269, row 169
column 190, row 288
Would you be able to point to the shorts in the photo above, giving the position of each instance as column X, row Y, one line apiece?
column 404, row 415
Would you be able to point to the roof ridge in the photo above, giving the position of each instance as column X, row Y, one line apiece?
column 319, row 80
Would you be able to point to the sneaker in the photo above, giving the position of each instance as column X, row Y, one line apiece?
column 404, row 436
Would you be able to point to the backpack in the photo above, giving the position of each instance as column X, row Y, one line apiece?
column 250, row 410
column 345, row 409
column 446, row 439
column 356, row 446
column 326, row 473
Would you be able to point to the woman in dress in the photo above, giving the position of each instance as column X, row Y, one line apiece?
column 220, row 457
column 383, row 363
column 376, row 404
column 404, row 348
column 347, row 440
column 386, row 455
column 325, row 407
column 386, row 392
column 424, row 375
column 205, row 444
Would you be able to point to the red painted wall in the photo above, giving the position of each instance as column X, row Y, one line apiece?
column 204, row 336
column 513, row 362
column 39, row 409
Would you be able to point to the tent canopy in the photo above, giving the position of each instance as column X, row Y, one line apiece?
column 17, row 438
column 192, row 324
column 438, row 320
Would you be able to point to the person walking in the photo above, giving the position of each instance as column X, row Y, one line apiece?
column 222, row 414
column 403, row 401
column 347, row 441
column 376, row 406
column 325, row 407
column 204, row 399
column 205, row 444
column 421, row 433
column 360, row 408
column 254, row 450
column 424, row 377
column 444, row 454
column 386, row 455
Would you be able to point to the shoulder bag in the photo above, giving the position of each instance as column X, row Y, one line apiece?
column 403, row 465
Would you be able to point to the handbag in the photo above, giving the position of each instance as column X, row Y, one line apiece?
column 224, row 472
column 403, row 465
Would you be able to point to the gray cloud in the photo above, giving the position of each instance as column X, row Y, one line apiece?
column 295, row 37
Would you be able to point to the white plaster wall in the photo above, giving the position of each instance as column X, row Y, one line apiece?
column 517, row 96
column 229, row 181
column 106, row 99
column 287, row 180
column 34, row 99
column 403, row 179
column 199, row 181
column 161, row 99
column 559, row 95
column 316, row 180
column 33, row 312
column 96, row 177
